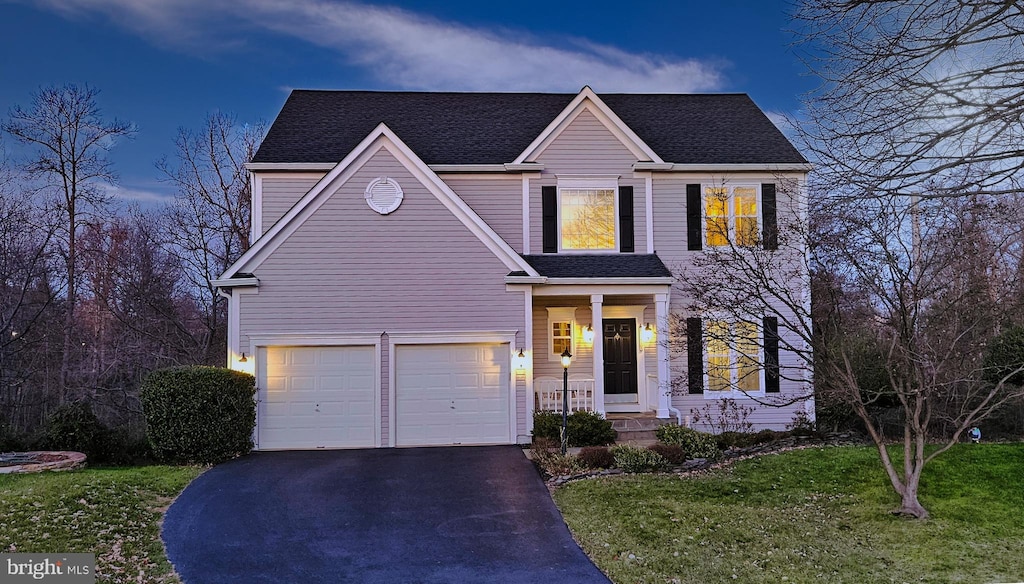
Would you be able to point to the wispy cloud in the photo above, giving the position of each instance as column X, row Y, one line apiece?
column 122, row 194
column 405, row 49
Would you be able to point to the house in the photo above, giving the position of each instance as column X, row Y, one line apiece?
column 422, row 260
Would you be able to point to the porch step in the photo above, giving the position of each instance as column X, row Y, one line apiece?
column 636, row 428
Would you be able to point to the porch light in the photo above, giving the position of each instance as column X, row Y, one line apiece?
column 647, row 334
column 564, row 430
column 242, row 359
column 520, row 361
column 588, row 334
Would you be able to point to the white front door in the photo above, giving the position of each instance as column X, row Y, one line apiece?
column 317, row 397
column 452, row 394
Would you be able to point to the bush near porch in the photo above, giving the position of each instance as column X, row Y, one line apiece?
column 584, row 428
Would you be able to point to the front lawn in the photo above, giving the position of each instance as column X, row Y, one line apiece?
column 114, row 513
column 814, row 515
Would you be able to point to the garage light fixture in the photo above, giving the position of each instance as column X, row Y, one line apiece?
column 520, row 360
column 243, row 359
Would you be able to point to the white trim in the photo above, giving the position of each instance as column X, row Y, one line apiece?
column 597, row 349
column 381, row 138
column 613, row 281
column 649, row 210
column 234, row 296
column 661, row 316
column 606, row 289
column 448, row 338
column 528, row 370
column 371, row 197
column 236, row 282
column 672, row 167
column 255, row 206
column 488, row 168
column 587, row 99
column 636, row 312
column 285, row 166
column 528, row 280
column 262, row 343
column 526, row 214
column 560, row 314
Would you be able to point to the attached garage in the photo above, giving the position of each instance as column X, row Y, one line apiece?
column 317, row 397
column 449, row 394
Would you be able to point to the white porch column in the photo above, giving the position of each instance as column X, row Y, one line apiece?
column 596, row 301
column 661, row 316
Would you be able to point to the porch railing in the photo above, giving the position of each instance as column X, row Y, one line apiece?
column 548, row 392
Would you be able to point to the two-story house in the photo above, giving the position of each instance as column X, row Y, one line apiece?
column 421, row 261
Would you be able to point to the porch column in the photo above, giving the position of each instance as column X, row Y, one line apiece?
column 598, row 351
column 661, row 317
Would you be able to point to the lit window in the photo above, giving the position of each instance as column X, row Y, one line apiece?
column 561, row 325
column 733, row 357
column 730, row 214
column 588, row 219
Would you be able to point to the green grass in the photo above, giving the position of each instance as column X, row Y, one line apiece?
column 815, row 515
column 114, row 513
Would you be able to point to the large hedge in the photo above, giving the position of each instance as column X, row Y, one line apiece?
column 199, row 414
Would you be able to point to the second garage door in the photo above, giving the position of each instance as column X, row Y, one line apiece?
column 452, row 394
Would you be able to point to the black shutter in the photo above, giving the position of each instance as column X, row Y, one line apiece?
column 771, row 354
column 694, row 241
column 769, row 222
column 695, row 355
column 626, row 219
column 549, row 211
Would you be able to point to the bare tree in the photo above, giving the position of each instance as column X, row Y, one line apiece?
column 209, row 223
column 919, row 287
column 913, row 93
column 69, row 138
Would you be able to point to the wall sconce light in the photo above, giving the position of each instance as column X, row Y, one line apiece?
column 242, row 359
column 520, row 360
column 588, row 334
column 647, row 334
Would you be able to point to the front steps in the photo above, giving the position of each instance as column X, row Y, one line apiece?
column 637, row 428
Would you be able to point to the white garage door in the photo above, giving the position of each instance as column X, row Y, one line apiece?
column 452, row 394
column 317, row 397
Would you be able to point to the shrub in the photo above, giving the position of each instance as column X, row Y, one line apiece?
column 556, row 464
column 75, row 427
column 585, row 428
column 801, row 424
column 635, row 459
column 673, row 454
column 727, row 440
column 696, row 444
column 199, row 414
column 596, row 457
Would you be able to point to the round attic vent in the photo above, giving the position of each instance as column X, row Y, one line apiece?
column 383, row 195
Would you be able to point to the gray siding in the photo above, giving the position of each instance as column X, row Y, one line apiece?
column 281, row 191
column 586, row 146
column 497, row 199
column 670, row 243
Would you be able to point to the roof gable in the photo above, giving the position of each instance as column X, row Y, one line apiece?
column 381, row 137
column 587, row 100
column 497, row 128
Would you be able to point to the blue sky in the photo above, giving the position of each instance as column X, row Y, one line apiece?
column 165, row 64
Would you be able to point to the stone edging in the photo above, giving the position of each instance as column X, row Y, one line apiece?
column 70, row 460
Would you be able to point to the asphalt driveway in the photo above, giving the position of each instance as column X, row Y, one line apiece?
column 465, row 514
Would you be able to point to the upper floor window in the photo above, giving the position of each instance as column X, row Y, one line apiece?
column 731, row 215
column 587, row 219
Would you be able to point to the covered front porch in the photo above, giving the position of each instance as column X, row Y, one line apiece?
column 619, row 348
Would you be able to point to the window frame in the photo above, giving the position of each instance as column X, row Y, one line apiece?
column 589, row 183
column 560, row 314
column 733, row 392
column 730, row 216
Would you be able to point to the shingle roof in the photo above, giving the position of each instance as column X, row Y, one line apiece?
column 599, row 266
column 494, row 128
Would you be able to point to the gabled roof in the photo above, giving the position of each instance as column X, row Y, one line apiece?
column 495, row 128
column 380, row 137
column 619, row 265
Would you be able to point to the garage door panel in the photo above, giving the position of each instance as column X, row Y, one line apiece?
column 318, row 397
column 452, row 394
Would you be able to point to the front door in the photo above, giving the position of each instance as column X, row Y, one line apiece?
column 620, row 360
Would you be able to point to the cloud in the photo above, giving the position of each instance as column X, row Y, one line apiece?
column 405, row 49
column 131, row 194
